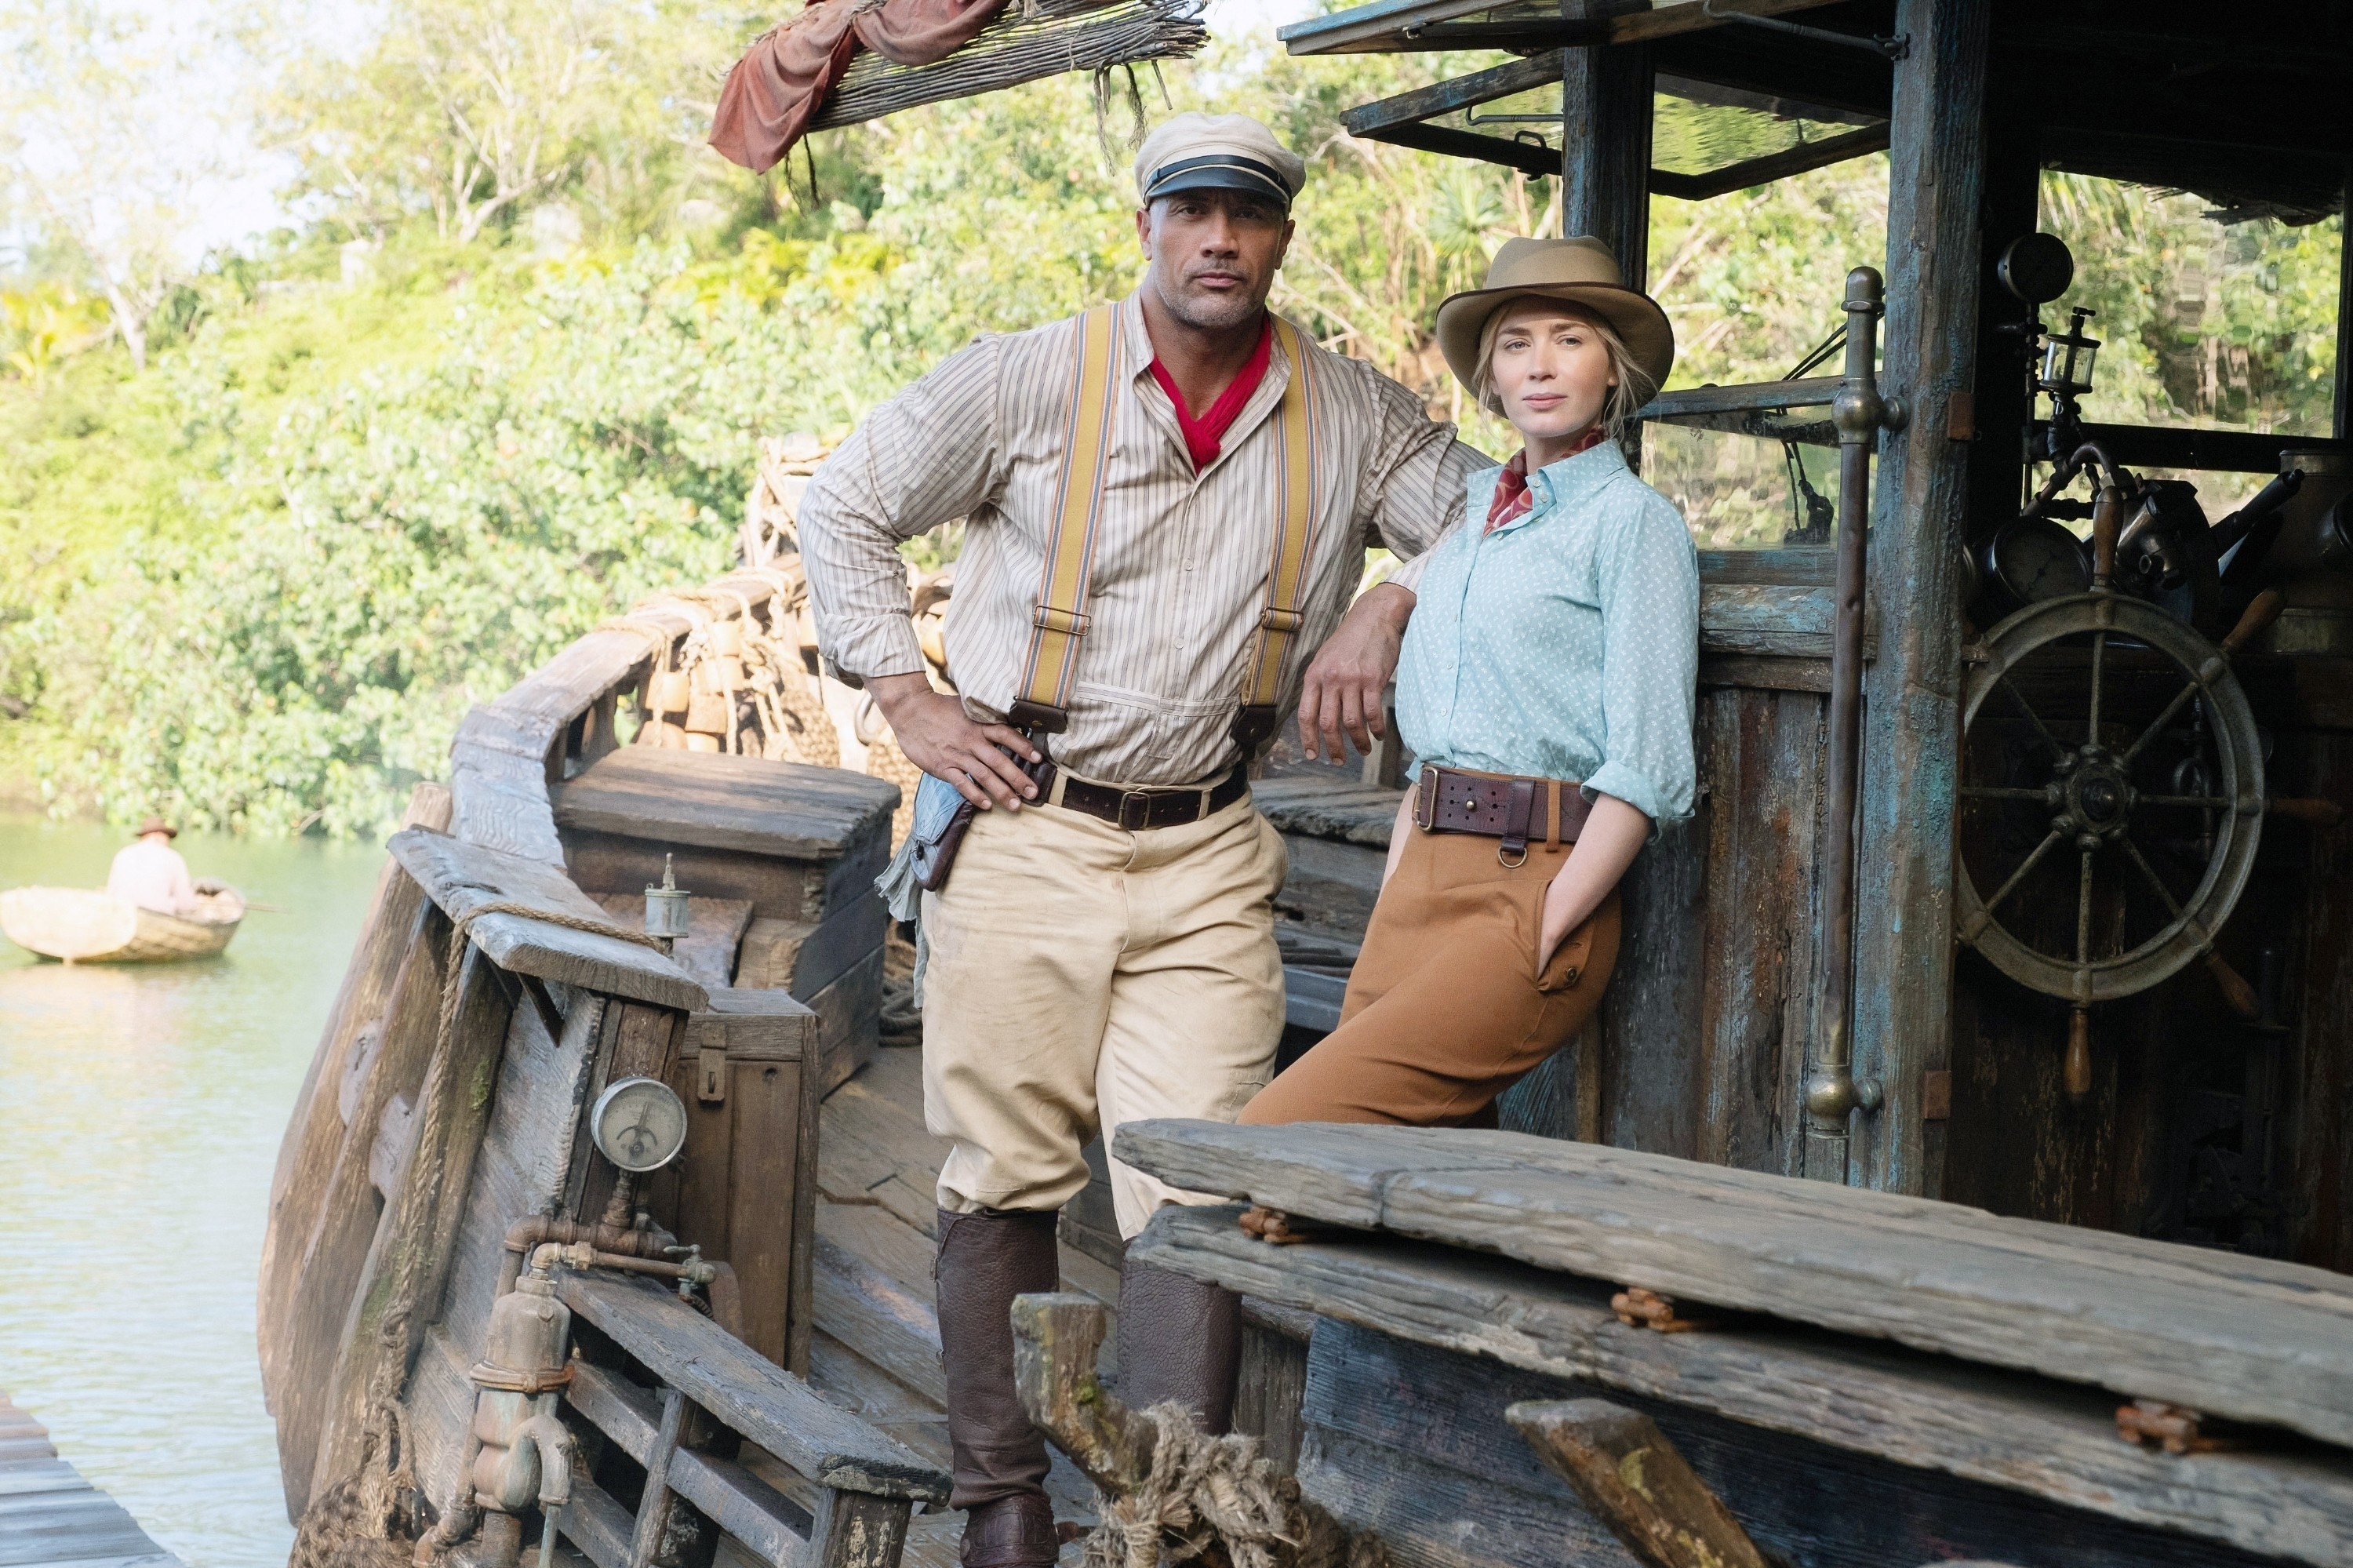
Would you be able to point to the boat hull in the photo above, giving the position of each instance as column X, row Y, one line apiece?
column 78, row 926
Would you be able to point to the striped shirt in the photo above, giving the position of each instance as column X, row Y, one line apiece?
column 1181, row 564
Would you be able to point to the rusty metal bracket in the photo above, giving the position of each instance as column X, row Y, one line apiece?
column 1639, row 1308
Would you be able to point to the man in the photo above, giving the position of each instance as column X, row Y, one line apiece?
column 150, row 873
column 1103, row 949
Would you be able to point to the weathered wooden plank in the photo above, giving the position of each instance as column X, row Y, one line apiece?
column 848, row 1014
column 49, row 1514
column 317, row 1304
column 596, row 1524
column 774, row 1527
column 2052, row 1440
column 1784, row 620
column 884, row 1321
column 1762, row 756
column 1268, row 1388
column 1422, row 1431
column 460, row 876
column 2231, row 1336
column 750, row 1394
column 725, row 802
column 314, row 1129
column 779, row 889
column 854, row 1530
column 1903, row 960
column 1334, row 806
column 1605, row 145
column 1628, row 1474
column 803, row 956
column 714, row 930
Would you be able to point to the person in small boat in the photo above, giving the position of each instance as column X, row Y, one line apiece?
column 1546, row 686
column 151, row 874
column 1102, row 949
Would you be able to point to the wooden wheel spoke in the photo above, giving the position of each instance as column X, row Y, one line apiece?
column 1998, row 792
column 2099, row 665
column 2083, row 911
column 2025, row 867
column 2172, row 905
column 2156, row 726
column 2027, row 709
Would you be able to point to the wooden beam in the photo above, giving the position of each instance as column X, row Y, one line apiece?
column 1453, row 95
column 1605, row 154
column 1911, row 740
column 653, row 1506
column 2053, row 1442
column 1752, row 172
column 460, row 877
column 1389, row 27
column 749, row 1393
column 1528, row 157
column 2213, row 452
column 2344, row 419
column 2239, row 1338
column 1628, row 1476
column 1057, row 1341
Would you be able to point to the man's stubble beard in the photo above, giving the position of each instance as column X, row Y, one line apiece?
column 1210, row 313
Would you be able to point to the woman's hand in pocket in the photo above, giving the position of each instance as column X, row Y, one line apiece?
column 1613, row 834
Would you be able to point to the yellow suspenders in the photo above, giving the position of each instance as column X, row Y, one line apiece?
column 1058, row 623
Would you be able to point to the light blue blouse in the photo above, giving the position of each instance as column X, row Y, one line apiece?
column 1565, row 643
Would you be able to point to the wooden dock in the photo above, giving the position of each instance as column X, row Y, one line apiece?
column 51, row 1517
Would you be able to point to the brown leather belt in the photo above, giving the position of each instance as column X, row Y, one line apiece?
column 1135, row 809
column 1499, row 806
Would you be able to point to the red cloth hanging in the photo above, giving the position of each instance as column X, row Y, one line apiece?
column 785, row 77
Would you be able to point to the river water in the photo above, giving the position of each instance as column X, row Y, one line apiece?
column 139, row 1114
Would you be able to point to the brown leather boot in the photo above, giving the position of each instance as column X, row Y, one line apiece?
column 1180, row 1339
column 999, row 1458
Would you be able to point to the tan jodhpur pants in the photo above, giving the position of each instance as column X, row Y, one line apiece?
column 1447, row 1007
column 1082, row 976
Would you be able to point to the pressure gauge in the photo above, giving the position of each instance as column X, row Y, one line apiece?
column 2030, row 559
column 639, row 1124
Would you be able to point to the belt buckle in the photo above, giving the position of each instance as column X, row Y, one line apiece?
column 1143, row 802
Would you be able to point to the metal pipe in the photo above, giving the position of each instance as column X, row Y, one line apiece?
column 535, row 1230
column 1859, row 411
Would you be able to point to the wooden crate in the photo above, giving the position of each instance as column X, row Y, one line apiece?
column 745, row 1189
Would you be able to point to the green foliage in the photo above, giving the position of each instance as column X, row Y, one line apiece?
column 372, row 481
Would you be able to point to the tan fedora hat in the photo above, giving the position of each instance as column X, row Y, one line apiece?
column 1580, row 271
column 157, row 825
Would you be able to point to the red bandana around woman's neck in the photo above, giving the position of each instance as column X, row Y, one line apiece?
column 1513, row 496
column 1203, row 436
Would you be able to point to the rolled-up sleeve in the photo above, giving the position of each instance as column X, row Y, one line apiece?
column 1647, row 581
column 1420, row 471
column 930, row 455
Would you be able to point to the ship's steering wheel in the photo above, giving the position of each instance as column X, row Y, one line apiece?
column 2101, row 780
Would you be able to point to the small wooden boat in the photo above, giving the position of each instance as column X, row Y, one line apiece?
column 83, row 925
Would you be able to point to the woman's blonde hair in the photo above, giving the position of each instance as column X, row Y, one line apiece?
column 1634, row 387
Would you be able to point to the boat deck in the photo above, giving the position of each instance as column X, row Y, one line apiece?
column 877, row 1346
column 51, row 1517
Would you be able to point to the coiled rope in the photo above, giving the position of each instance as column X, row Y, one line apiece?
column 1202, row 1491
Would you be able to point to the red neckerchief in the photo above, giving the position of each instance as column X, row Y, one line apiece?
column 1203, row 436
column 1513, row 496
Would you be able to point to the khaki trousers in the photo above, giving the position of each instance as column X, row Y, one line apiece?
column 1082, row 976
column 1447, row 1007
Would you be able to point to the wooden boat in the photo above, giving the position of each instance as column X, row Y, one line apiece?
column 1832, row 1225
column 83, row 925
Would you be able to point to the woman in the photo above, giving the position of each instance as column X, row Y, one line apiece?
column 1546, row 686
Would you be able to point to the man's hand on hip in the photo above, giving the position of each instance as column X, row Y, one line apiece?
column 1344, row 682
column 938, row 738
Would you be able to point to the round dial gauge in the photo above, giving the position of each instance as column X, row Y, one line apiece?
column 639, row 1124
column 2033, row 559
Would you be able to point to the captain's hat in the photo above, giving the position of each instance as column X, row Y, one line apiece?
column 1194, row 151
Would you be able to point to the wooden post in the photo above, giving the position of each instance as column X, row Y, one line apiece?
column 1605, row 143
column 852, row 1530
column 1631, row 1479
column 2343, row 421
column 2009, row 206
column 1911, row 742
column 653, row 1508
